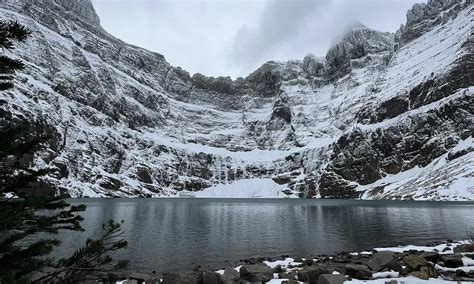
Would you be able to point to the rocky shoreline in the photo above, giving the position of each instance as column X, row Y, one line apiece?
column 438, row 263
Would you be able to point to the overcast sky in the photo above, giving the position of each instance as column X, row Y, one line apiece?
column 234, row 37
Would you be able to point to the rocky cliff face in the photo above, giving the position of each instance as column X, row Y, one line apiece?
column 380, row 116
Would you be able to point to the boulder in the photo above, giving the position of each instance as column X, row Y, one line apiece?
column 287, row 275
column 358, row 271
column 432, row 273
column 461, row 273
column 331, row 279
column 210, row 277
column 278, row 269
column 430, row 256
column 309, row 274
column 464, row 248
column 144, row 175
column 452, row 260
column 415, row 262
column 256, row 273
column 420, row 274
column 384, row 260
column 231, row 276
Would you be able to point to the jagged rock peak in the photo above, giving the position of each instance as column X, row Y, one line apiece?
column 423, row 16
column 349, row 29
column 314, row 66
column 356, row 42
column 83, row 9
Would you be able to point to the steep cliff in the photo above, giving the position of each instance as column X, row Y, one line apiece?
column 380, row 116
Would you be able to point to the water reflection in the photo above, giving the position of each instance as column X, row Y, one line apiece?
column 166, row 234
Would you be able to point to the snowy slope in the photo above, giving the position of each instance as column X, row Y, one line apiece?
column 127, row 123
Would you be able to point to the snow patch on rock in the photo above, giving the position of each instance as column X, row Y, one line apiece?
column 246, row 188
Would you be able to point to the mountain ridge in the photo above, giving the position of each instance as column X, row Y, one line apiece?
column 127, row 123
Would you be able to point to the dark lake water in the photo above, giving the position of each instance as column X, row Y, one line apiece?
column 173, row 234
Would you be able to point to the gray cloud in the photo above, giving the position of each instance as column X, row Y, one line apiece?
column 233, row 37
column 280, row 22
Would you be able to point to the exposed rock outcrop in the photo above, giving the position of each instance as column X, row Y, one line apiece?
column 380, row 116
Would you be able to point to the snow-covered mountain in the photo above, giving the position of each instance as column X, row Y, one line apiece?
column 380, row 116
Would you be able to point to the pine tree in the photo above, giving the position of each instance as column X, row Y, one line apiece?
column 9, row 33
column 29, row 205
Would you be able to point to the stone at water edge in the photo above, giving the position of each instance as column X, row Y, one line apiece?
column 464, row 248
column 309, row 274
column 358, row 271
column 278, row 269
column 384, row 260
column 415, row 262
column 209, row 277
column 231, row 276
column 331, row 279
column 290, row 282
column 256, row 273
column 452, row 260
column 188, row 277
column 193, row 277
column 140, row 276
column 430, row 256
column 287, row 275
